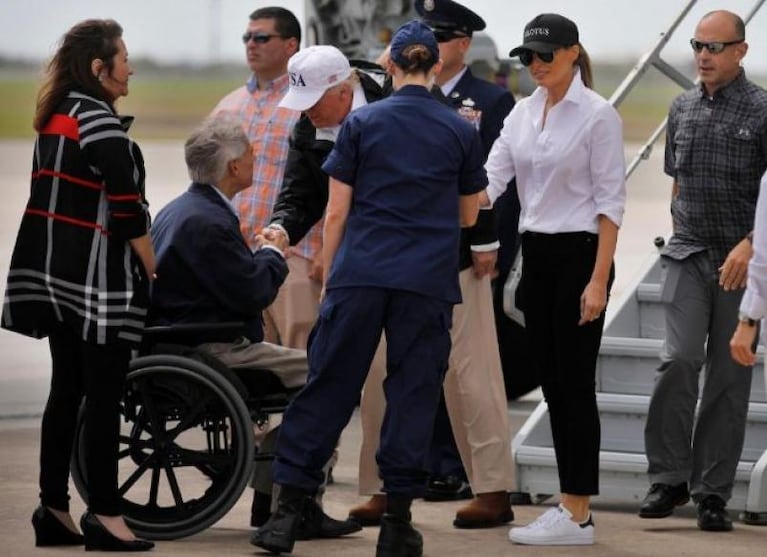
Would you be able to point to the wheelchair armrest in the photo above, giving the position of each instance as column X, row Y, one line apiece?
column 189, row 333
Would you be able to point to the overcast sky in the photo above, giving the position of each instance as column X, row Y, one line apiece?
column 209, row 30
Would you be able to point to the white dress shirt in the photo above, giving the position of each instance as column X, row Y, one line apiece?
column 754, row 302
column 569, row 171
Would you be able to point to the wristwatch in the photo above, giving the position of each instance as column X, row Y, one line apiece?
column 747, row 320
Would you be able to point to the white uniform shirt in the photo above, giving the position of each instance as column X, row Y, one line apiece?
column 754, row 302
column 569, row 171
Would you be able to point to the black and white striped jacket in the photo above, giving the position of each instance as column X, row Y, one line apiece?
column 72, row 262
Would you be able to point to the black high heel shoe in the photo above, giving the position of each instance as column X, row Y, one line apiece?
column 98, row 538
column 50, row 531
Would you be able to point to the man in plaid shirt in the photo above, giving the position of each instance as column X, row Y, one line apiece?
column 272, row 37
column 716, row 152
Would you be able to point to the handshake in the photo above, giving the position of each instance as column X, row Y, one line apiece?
column 273, row 236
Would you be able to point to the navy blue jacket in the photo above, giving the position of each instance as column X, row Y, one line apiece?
column 206, row 272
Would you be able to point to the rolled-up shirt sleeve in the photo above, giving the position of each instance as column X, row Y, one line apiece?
column 608, row 165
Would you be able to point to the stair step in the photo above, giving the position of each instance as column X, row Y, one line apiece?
column 622, row 476
column 623, row 419
column 628, row 365
column 649, row 292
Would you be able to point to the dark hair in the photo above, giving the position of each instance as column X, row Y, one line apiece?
column 285, row 23
column 419, row 59
column 70, row 67
column 584, row 63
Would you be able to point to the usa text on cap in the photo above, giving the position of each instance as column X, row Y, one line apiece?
column 312, row 71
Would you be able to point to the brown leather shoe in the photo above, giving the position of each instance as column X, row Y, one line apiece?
column 486, row 510
column 370, row 512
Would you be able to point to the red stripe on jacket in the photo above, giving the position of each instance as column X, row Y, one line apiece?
column 68, row 178
column 60, row 124
column 70, row 220
column 125, row 197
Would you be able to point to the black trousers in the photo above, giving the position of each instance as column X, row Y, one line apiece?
column 97, row 372
column 556, row 269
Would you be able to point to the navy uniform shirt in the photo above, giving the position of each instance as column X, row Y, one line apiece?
column 408, row 158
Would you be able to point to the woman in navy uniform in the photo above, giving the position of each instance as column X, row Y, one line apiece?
column 405, row 171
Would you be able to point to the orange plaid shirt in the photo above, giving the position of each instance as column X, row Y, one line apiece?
column 268, row 128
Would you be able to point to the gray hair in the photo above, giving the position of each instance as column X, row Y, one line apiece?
column 218, row 140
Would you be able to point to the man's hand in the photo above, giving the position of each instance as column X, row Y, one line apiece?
column 734, row 270
column 273, row 237
column 315, row 273
column 483, row 263
column 741, row 344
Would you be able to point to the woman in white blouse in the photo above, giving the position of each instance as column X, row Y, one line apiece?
column 564, row 144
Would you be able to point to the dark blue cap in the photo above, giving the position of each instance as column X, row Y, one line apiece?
column 446, row 15
column 411, row 33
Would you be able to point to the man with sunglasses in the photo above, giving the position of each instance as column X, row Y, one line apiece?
column 716, row 152
column 273, row 35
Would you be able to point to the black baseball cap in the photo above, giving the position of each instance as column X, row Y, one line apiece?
column 546, row 33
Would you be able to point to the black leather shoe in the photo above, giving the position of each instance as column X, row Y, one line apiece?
column 448, row 488
column 316, row 524
column 279, row 533
column 712, row 515
column 49, row 530
column 98, row 538
column 398, row 538
column 661, row 500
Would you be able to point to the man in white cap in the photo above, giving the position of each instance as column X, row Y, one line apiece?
column 325, row 87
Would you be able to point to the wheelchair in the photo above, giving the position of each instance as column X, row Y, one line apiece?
column 187, row 446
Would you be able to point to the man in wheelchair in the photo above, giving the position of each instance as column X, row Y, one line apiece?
column 207, row 274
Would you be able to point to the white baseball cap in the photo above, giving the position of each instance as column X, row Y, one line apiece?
column 312, row 71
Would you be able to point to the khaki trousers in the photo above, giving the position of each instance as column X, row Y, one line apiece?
column 474, row 393
column 290, row 318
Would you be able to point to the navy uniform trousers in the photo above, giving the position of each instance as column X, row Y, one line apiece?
column 341, row 348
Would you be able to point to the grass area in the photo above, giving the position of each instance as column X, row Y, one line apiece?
column 165, row 108
column 169, row 104
column 18, row 107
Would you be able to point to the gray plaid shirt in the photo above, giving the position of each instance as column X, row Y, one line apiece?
column 716, row 150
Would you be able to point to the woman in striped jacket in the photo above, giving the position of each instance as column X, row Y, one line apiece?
column 80, row 275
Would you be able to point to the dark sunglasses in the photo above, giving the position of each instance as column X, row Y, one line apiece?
column 447, row 36
column 713, row 48
column 526, row 57
column 260, row 38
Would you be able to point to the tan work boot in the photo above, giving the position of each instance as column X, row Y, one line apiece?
column 370, row 513
column 486, row 510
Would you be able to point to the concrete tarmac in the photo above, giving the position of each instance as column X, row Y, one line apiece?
column 619, row 531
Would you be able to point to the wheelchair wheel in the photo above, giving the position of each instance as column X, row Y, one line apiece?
column 186, row 447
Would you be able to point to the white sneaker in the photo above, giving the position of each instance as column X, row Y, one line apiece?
column 554, row 527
